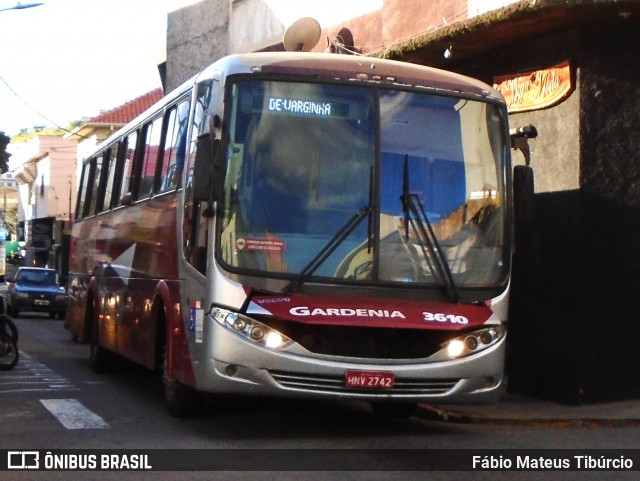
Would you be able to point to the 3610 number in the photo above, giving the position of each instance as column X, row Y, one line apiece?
column 441, row 317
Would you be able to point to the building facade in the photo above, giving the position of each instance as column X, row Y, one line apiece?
column 9, row 203
column 46, row 170
column 203, row 31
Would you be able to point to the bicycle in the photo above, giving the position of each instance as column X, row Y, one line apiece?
column 9, row 327
column 8, row 344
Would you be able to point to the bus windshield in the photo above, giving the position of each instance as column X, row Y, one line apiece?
column 368, row 185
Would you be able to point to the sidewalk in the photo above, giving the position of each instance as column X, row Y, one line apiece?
column 518, row 410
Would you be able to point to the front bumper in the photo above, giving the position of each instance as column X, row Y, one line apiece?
column 236, row 365
column 39, row 304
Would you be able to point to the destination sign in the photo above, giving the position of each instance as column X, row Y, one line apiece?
column 299, row 106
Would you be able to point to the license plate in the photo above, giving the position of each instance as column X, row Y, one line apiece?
column 40, row 302
column 370, row 379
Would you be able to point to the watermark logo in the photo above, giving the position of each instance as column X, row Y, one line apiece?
column 23, row 460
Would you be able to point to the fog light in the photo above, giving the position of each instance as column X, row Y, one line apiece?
column 455, row 348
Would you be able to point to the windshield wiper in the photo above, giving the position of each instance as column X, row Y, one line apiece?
column 328, row 249
column 416, row 216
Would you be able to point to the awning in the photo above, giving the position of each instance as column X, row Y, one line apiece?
column 518, row 22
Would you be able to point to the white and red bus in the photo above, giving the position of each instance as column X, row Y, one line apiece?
column 302, row 225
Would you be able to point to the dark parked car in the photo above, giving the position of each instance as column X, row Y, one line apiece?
column 36, row 289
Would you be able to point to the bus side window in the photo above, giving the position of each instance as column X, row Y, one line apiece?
column 101, row 181
column 83, row 194
column 110, row 176
column 174, row 146
column 95, row 181
column 147, row 171
column 117, row 168
column 129, row 147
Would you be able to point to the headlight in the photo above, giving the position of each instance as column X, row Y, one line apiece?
column 474, row 341
column 23, row 295
column 251, row 329
column 61, row 297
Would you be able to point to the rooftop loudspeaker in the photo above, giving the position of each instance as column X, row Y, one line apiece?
column 302, row 35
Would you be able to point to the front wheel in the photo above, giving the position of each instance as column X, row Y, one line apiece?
column 182, row 400
column 9, row 327
column 8, row 352
column 100, row 358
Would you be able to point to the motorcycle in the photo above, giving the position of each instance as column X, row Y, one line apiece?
column 8, row 343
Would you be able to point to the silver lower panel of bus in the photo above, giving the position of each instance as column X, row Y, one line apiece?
column 235, row 365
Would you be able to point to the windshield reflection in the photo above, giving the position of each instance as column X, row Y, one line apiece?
column 304, row 158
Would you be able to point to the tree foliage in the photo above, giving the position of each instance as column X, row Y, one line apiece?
column 4, row 155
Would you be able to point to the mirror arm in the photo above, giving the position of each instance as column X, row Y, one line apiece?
column 520, row 140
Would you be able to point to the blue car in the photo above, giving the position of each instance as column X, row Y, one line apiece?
column 36, row 289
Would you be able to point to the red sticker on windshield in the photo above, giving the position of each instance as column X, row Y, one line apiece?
column 260, row 245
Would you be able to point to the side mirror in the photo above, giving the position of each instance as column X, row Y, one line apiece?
column 526, row 132
column 202, row 168
column 520, row 140
column 523, row 183
column 523, row 201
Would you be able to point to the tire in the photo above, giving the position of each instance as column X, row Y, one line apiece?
column 182, row 400
column 8, row 352
column 100, row 358
column 9, row 327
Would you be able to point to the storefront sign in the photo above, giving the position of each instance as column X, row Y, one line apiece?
column 535, row 89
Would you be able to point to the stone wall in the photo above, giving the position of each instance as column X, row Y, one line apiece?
column 196, row 37
column 573, row 319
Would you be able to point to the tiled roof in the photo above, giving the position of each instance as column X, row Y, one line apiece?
column 128, row 111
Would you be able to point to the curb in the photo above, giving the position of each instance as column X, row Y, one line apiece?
column 434, row 413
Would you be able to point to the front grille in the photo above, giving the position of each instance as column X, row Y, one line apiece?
column 43, row 297
column 363, row 342
column 336, row 384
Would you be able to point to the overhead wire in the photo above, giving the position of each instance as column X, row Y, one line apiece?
column 37, row 111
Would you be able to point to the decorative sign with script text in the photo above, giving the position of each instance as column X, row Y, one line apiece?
column 536, row 89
